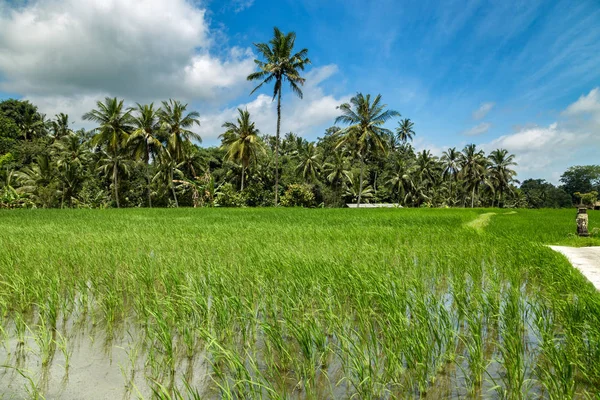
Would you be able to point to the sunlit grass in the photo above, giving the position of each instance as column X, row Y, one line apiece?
column 280, row 303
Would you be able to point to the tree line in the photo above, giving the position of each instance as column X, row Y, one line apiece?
column 149, row 156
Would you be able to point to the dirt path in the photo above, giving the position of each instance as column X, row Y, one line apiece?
column 585, row 259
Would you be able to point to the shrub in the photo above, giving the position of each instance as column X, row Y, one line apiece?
column 227, row 196
column 298, row 196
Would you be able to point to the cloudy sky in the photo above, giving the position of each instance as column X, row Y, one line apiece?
column 521, row 75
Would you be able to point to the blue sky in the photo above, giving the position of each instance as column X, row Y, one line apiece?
column 514, row 74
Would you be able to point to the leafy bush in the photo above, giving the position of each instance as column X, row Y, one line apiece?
column 228, row 197
column 588, row 199
column 298, row 195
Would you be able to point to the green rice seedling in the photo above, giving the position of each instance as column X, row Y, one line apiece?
column 348, row 303
column 63, row 345
column 44, row 338
column 31, row 388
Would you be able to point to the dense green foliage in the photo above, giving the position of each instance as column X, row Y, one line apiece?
column 276, row 303
column 147, row 156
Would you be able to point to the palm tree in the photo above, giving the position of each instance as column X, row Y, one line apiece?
column 114, row 124
column 280, row 64
column 167, row 169
column 143, row 140
column 450, row 164
column 32, row 124
column 35, row 178
column 193, row 162
column 241, row 141
column 115, row 163
column 473, row 165
column 400, row 180
column 405, row 131
column 308, row 164
column 501, row 174
column 336, row 171
column 71, row 155
column 60, row 126
column 355, row 193
column 365, row 132
column 177, row 124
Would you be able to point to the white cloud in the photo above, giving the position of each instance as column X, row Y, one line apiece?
column 241, row 5
column 479, row 129
column 300, row 116
column 483, row 110
column 586, row 105
column 540, row 151
column 138, row 49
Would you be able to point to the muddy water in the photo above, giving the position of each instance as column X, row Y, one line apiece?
column 97, row 369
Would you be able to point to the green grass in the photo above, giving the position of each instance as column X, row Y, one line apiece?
column 286, row 303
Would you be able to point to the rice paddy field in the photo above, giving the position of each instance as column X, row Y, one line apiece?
column 295, row 303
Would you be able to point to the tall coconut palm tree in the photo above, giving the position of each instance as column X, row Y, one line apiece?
column 280, row 64
column 365, row 132
column 500, row 172
column 473, row 165
column 177, row 124
column 115, row 164
column 241, row 141
column 115, row 124
column 144, row 141
column 405, row 131
column 451, row 165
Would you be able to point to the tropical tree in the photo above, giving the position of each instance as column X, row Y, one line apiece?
column 33, row 124
column 71, row 156
column 114, row 164
column 365, row 131
column 400, row 179
column 308, row 162
column 114, row 124
column 60, row 126
column 241, row 141
column 336, row 171
column 280, row 64
column 177, row 125
column 450, row 166
column 473, row 165
column 500, row 172
column 405, row 131
column 35, row 181
column 144, row 141
column 166, row 172
column 193, row 162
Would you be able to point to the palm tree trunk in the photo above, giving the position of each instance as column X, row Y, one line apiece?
column 375, row 183
column 360, row 188
column 116, row 183
column 148, row 175
column 277, row 145
column 243, row 173
column 451, row 196
column 473, row 198
column 173, row 189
